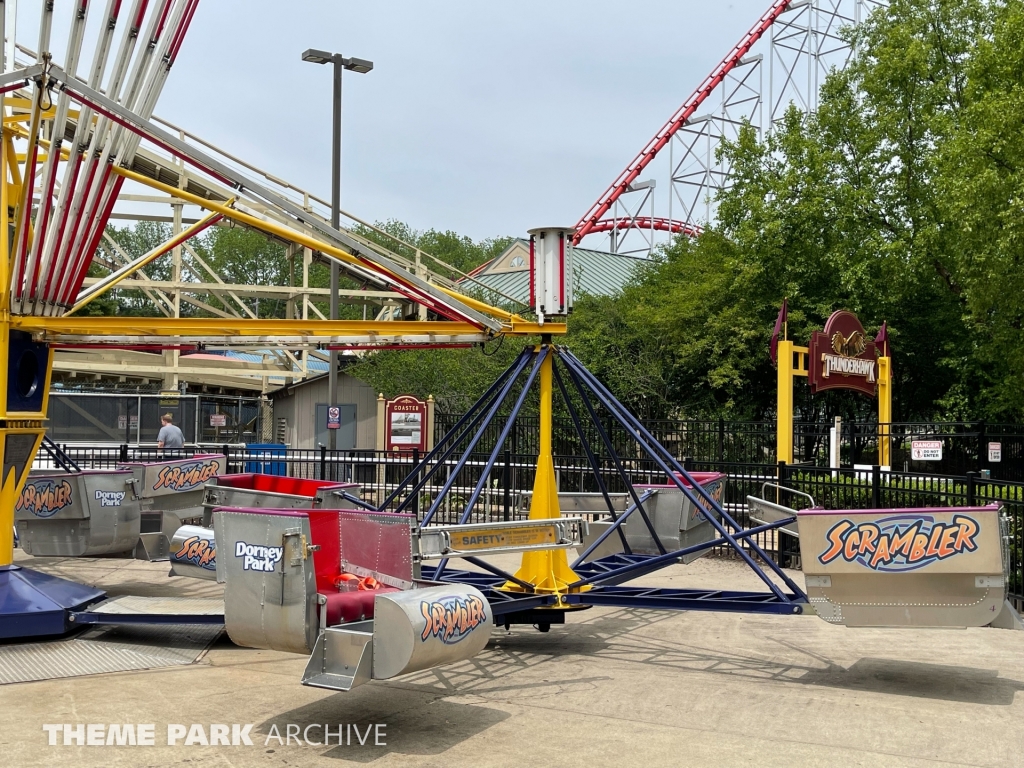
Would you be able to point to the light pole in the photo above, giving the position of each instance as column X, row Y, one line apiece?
column 361, row 66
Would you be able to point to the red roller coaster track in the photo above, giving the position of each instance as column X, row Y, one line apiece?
column 657, row 223
column 592, row 221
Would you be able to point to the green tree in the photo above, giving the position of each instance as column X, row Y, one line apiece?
column 131, row 243
column 845, row 208
column 980, row 171
column 455, row 377
column 451, row 248
column 247, row 257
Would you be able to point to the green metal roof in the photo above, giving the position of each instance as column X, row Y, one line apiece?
column 595, row 272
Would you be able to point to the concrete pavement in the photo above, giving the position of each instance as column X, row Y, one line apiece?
column 610, row 687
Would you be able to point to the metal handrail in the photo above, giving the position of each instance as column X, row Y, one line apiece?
column 814, row 504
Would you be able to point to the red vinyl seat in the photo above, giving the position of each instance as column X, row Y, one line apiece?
column 344, row 607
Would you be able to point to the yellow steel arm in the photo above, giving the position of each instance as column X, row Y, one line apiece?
column 113, row 329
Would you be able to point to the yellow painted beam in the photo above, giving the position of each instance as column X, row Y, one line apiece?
column 5, row 255
column 197, row 327
column 94, row 292
column 884, row 411
column 225, row 326
column 784, row 416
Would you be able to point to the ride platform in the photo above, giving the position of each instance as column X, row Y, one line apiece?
column 35, row 604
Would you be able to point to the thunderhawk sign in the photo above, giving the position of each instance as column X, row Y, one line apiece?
column 842, row 357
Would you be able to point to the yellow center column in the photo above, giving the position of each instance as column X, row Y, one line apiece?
column 548, row 571
column 6, row 509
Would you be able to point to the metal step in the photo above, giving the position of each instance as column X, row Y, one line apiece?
column 342, row 658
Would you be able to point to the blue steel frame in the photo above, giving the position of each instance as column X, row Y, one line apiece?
column 36, row 604
column 509, row 422
column 591, row 459
column 605, row 577
column 628, row 566
column 615, row 526
column 524, row 359
column 96, row 617
column 674, row 471
column 538, row 359
column 613, row 454
column 473, row 417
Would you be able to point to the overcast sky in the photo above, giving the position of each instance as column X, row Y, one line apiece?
column 483, row 117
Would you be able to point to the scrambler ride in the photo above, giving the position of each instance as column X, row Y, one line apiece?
column 369, row 592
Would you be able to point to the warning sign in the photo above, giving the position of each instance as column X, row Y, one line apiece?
column 926, row 450
column 995, row 452
column 334, row 417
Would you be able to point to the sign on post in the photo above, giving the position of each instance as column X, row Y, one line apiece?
column 169, row 397
column 405, row 424
column 334, row 417
column 842, row 356
column 926, row 450
column 995, row 452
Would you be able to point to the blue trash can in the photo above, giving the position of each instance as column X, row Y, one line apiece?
column 266, row 458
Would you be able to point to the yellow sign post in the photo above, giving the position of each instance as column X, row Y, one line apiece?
column 795, row 361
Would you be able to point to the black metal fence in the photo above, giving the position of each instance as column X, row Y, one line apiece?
column 504, row 493
column 719, row 440
column 965, row 445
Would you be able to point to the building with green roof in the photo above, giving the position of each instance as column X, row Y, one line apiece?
column 508, row 275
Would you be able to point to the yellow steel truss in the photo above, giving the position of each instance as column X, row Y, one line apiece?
column 56, row 329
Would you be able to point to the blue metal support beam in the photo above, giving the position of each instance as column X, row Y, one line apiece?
column 636, row 565
column 499, row 399
column 509, row 422
column 616, row 526
column 591, row 459
column 118, row 619
column 615, row 458
column 690, row 600
column 472, row 417
column 664, row 459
